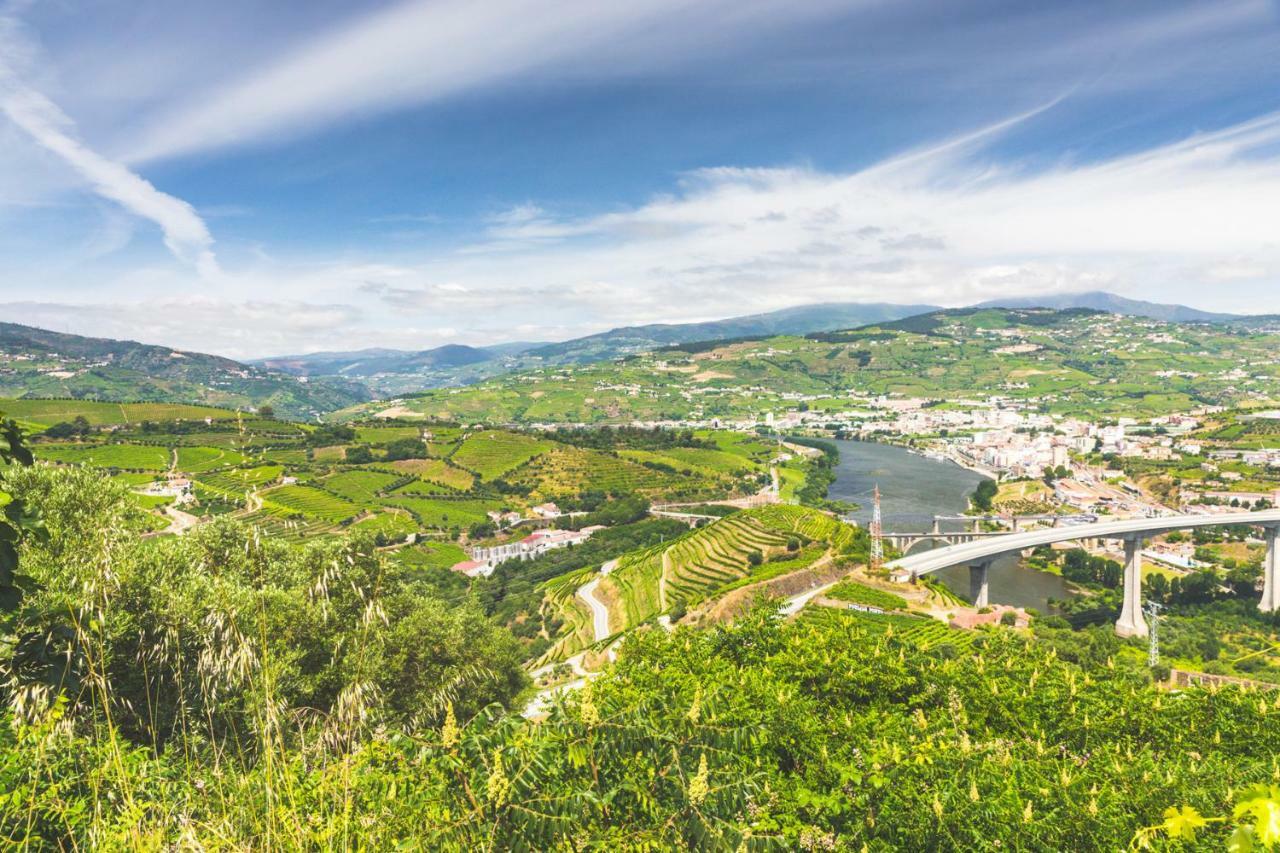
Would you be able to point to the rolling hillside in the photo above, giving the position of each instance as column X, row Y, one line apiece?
column 41, row 363
column 1076, row 361
column 393, row 372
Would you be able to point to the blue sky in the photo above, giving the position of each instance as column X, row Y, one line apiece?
column 260, row 178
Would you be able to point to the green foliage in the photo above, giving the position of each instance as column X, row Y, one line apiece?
column 831, row 733
column 859, row 593
column 983, row 495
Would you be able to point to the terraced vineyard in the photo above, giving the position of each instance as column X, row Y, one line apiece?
column 717, row 555
column 236, row 483
column 139, row 457
column 560, row 601
column 360, row 485
column 492, row 453
column 309, row 501
column 441, row 514
column 711, row 559
column 632, row 592
column 711, row 463
column 291, row 529
column 808, row 523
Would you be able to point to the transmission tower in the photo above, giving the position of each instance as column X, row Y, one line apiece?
column 1153, row 646
column 877, row 532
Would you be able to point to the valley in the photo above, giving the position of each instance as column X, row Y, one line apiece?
column 545, row 537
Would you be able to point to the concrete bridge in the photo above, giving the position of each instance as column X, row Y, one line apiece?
column 973, row 528
column 904, row 541
column 979, row 553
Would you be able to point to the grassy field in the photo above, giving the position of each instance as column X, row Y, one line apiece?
column 333, row 453
column 431, row 555
column 380, row 435
column 492, row 453
column 194, row 460
column 857, row 593
column 133, row 456
column 394, row 525
column 571, row 470
column 49, row 412
column 237, row 483
column 436, row 471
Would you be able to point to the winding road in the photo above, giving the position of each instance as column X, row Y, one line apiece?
column 599, row 613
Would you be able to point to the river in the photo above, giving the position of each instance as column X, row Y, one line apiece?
column 915, row 488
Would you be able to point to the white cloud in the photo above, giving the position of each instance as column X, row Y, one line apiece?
column 424, row 50
column 185, row 233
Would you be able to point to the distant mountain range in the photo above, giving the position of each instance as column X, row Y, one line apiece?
column 1098, row 300
column 801, row 320
column 37, row 362
column 390, row 372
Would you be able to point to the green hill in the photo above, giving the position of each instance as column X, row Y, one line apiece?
column 41, row 363
column 1074, row 361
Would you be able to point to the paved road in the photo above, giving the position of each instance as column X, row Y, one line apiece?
column 979, row 551
column 599, row 613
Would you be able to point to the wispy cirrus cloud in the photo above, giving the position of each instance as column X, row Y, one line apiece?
column 185, row 233
column 419, row 51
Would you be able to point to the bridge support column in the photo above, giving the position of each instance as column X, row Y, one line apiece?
column 1270, row 573
column 977, row 525
column 1015, row 524
column 979, row 585
column 1131, row 623
column 937, row 526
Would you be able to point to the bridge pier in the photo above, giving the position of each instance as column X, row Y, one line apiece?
column 1270, row 573
column 979, row 584
column 1131, row 623
column 977, row 525
column 937, row 526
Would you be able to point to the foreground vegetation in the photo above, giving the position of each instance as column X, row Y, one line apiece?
column 221, row 691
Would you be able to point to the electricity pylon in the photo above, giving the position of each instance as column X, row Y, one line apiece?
column 1153, row 627
column 877, row 532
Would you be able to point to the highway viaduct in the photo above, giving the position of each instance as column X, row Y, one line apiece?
column 979, row 553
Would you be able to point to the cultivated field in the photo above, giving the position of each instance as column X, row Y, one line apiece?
column 309, row 501
column 130, row 456
column 492, row 453
column 48, row 412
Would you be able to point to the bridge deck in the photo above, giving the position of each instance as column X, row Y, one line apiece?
column 988, row 548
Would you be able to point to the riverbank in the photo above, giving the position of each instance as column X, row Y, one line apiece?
column 915, row 487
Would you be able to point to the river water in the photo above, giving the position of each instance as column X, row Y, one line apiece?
column 915, row 488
